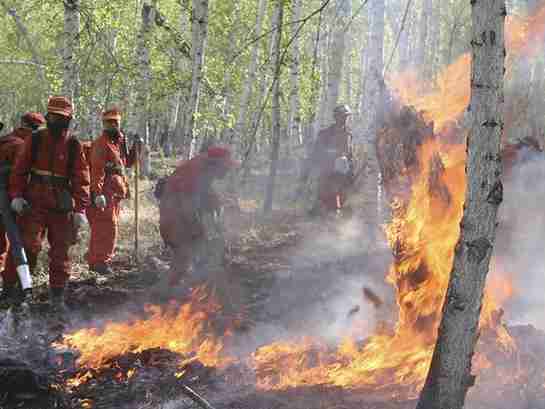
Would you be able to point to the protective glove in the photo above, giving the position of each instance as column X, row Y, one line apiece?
column 79, row 220
column 100, row 201
column 19, row 205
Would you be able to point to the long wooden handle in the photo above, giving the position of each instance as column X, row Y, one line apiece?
column 136, row 204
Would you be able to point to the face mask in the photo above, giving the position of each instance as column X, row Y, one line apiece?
column 112, row 132
column 57, row 127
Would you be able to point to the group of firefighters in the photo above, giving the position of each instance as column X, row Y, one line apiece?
column 57, row 185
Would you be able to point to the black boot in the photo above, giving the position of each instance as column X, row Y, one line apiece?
column 101, row 268
column 8, row 294
column 56, row 300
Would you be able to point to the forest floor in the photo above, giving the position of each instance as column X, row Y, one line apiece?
column 294, row 277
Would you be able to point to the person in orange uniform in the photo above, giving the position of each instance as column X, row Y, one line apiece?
column 10, row 146
column 187, row 194
column 109, row 186
column 331, row 156
column 49, row 187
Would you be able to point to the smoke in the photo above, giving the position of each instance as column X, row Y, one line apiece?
column 519, row 252
column 319, row 294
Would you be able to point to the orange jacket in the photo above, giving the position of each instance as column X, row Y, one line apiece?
column 107, row 154
column 331, row 143
column 51, row 158
column 189, row 180
column 11, row 145
column 186, row 192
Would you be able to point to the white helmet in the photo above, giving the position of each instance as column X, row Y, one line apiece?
column 342, row 165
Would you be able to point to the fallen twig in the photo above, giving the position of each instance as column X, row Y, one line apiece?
column 195, row 397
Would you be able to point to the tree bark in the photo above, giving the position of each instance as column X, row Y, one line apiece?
column 435, row 37
column 240, row 126
column 144, row 81
column 336, row 55
column 423, row 37
column 276, row 118
column 294, row 114
column 449, row 377
column 227, row 131
column 199, row 26
column 324, row 118
column 70, row 85
column 181, row 66
column 366, row 198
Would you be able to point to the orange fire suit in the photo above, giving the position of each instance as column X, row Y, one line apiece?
column 331, row 143
column 108, row 162
column 39, row 182
column 186, row 193
column 10, row 146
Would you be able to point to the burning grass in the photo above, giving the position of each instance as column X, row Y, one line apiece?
column 184, row 329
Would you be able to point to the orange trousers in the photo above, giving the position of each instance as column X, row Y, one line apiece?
column 34, row 226
column 331, row 191
column 104, row 230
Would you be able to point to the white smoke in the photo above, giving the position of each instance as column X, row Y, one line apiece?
column 520, row 245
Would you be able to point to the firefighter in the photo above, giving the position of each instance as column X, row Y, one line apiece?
column 109, row 185
column 331, row 159
column 186, row 204
column 10, row 146
column 49, row 190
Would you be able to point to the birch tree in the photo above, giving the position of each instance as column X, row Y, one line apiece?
column 422, row 47
column 70, row 85
column 143, row 88
column 323, row 49
column 240, row 126
column 337, row 54
column 199, row 27
column 366, row 200
column 449, row 377
column 294, row 114
column 276, row 118
column 179, row 118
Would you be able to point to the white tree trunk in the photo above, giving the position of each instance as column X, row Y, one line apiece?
column 324, row 117
column 423, row 37
column 181, row 114
column 337, row 54
column 240, row 126
column 435, row 34
column 449, row 377
column 227, row 103
column 367, row 201
column 143, row 87
column 294, row 114
column 276, row 118
column 199, row 27
column 70, row 83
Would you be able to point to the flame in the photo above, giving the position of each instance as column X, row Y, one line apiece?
column 79, row 379
column 451, row 94
column 182, row 330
